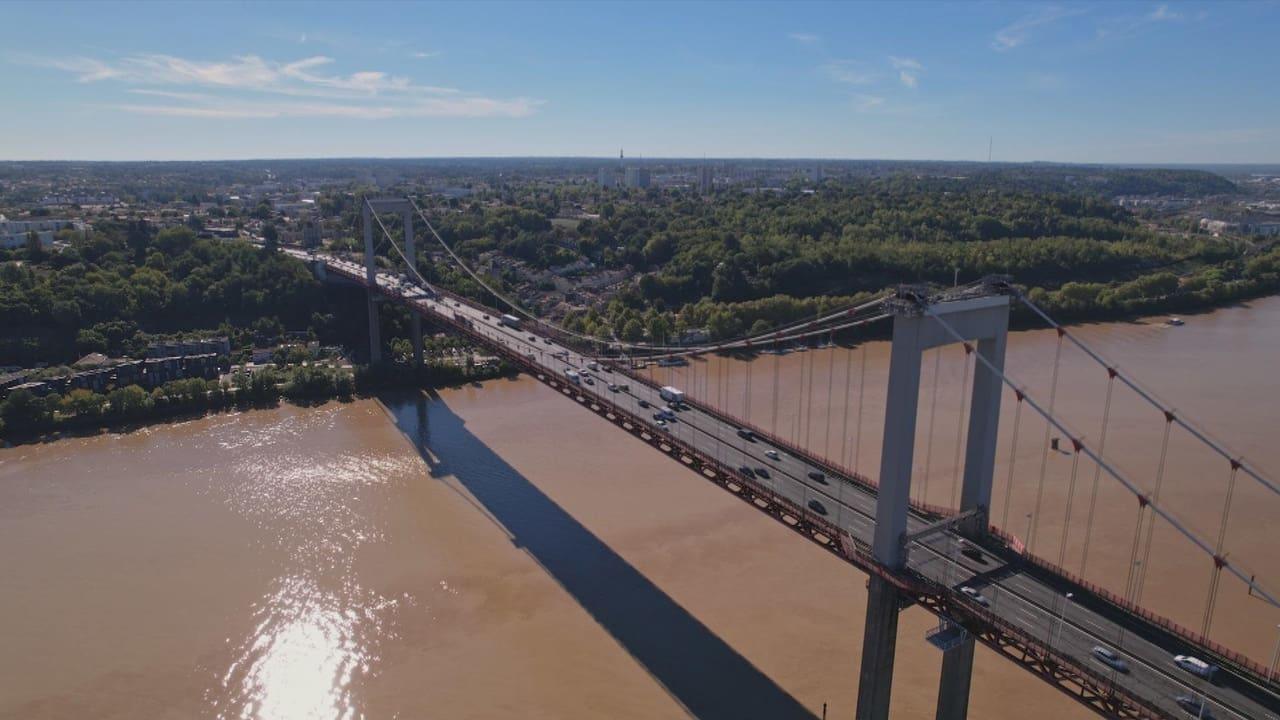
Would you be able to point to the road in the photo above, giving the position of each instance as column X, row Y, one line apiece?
column 1006, row 588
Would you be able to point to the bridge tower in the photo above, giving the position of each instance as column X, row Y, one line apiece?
column 406, row 210
column 984, row 319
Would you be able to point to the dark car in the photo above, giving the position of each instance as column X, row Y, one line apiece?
column 762, row 473
column 817, row 507
column 643, row 403
column 746, row 434
column 816, row 476
column 746, row 472
column 973, row 553
column 1195, row 706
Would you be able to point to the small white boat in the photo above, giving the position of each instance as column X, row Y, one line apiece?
column 1176, row 321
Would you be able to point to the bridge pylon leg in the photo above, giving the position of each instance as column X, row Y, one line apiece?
column 953, row 689
column 879, row 645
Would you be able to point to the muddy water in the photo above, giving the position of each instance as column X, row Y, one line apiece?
column 498, row 552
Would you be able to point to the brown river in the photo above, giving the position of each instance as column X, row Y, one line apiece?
column 497, row 551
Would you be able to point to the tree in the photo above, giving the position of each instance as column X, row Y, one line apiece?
column 131, row 401
column 35, row 248
column 270, row 238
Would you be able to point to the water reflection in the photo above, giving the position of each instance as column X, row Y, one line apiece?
column 308, row 649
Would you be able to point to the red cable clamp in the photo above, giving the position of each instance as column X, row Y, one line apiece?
column 1235, row 464
column 1111, row 373
column 968, row 348
column 1077, row 444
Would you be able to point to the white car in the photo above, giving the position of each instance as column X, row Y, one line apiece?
column 975, row 596
column 772, row 455
column 1195, row 666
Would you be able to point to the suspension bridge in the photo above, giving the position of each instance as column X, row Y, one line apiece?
column 1097, row 645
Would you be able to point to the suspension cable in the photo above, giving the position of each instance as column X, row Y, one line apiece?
column 844, row 427
column 831, row 369
column 1115, row 473
column 862, row 378
column 777, row 359
column 1013, row 456
column 958, row 476
column 1044, row 457
column 808, row 410
column 1071, row 492
column 1151, row 521
column 933, row 413
column 1217, row 558
column 1150, row 397
column 1097, row 471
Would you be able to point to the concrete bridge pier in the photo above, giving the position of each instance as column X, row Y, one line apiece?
column 986, row 320
column 370, row 276
column 415, row 320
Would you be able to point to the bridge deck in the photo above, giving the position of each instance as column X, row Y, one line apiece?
column 1023, row 613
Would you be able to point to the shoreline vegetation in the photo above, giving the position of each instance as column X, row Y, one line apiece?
column 25, row 417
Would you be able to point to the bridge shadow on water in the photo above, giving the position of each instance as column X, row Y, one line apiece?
column 695, row 666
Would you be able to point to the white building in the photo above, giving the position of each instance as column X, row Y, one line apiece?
column 13, row 233
column 637, row 177
column 608, row 177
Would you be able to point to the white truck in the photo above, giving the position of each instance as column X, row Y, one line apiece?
column 573, row 376
column 675, row 396
column 510, row 321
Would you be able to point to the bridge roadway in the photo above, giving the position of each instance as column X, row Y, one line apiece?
column 1021, row 596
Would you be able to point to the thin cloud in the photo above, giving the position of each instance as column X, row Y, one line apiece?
column 242, row 88
column 909, row 70
column 867, row 103
column 804, row 38
column 1124, row 26
column 1017, row 34
column 850, row 72
column 420, row 55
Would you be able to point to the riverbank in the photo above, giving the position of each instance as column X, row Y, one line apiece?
column 25, row 417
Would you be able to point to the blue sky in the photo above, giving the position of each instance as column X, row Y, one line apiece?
column 1148, row 82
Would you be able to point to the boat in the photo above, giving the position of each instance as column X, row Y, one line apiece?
column 1176, row 321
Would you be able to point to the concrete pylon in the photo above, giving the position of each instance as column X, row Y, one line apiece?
column 415, row 320
column 986, row 320
column 370, row 276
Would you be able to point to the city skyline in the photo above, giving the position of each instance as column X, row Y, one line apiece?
column 1127, row 83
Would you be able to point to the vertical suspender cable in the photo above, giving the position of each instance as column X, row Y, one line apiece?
column 1215, row 582
column 862, row 381
column 795, row 440
column 746, row 392
column 1097, row 470
column 1013, row 456
column 1071, row 491
column 933, row 413
column 808, row 410
column 1141, row 570
column 1044, row 458
column 777, row 357
column 844, row 429
column 964, row 406
column 831, row 371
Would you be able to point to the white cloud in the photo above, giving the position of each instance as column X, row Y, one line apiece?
column 909, row 70
column 804, row 38
column 867, row 103
column 1019, row 32
column 849, row 72
column 242, row 86
column 1124, row 26
column 424, row 55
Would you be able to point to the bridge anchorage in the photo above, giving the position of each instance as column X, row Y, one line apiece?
column 983, row 584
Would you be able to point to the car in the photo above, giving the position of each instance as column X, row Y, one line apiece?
column 533, row 338
column 486, row 317
column 643, row 403
column 546, row 340
column 746, row 434
column 772, row 455
column 816, row 476
column 666, row 427
column 1194, row 706
column 975, row 596
column 624, row 387
column 1108, row 657
column 971, row 551
column 1195, row 666
column 762, row 473
column 817, row 507
column 662, row 424
column 587, row 379
column 606, row 368
column 613, row 388
column 746, row 472
column 659, row 416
